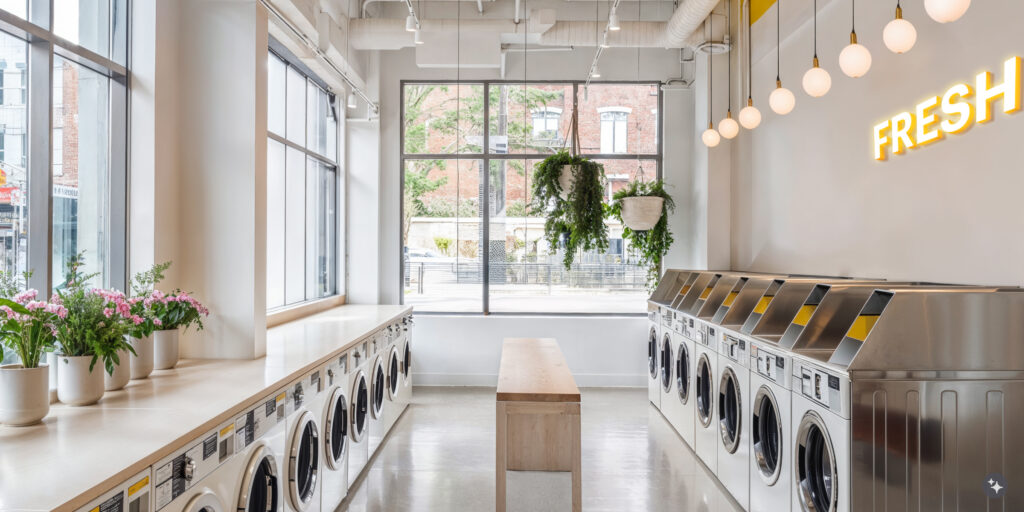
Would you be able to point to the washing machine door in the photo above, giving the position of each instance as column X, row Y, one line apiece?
column 730, row 410
column 360, row 407
column 406, row 360
column 815, row 466
column 394, row 372
column 303, row 462
column 766, row 434
column 704, row 398
column 652, row 353
column 683, row 373
column 666, row 363
column 261, row 485
column 205, row 501
column 377, row 386
column 336, row 429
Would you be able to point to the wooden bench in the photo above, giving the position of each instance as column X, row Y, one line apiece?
column 538, row 415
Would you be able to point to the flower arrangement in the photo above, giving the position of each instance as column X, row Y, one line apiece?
column 175, row 310
column 27, row 326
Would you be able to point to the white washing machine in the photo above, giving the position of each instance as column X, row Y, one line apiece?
column 770, row 428
column 666, row 377
column 820, row 446
column 378, row 376
column 132, row 495
column 733, row 410
column 685, row 364
column 335, row 421
column 706, row 437
column 654, row 364
column 393, row 377
column 303, row 464
column 359, row 410
column 237, row 466
column 405, row 346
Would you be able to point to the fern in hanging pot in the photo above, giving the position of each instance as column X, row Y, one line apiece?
column 643, row 209
column 575, row 216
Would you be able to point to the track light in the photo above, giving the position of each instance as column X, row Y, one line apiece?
column 596, row 73
column 604, row 42
column 352, row 100
column 410, row 23
column 417, row 37
column 613, row 22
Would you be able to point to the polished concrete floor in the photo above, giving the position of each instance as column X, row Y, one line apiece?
column 440, row 457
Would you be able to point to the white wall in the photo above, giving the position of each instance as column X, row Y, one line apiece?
column 809, row 197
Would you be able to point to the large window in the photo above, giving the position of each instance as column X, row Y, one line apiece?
column 63, row 175
column 302, row 186
column 470, row 240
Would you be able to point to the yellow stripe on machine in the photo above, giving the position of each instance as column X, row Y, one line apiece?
column 730, row 299
column 804, row 315
column 762, row 305
column 706, row 292
column 685, row 290
column 862, row 327
column 138, row 485
column 226, row 430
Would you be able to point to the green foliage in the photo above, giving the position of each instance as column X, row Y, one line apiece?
column 27, row 332
column 442, row 207
column 11, row 283
column 654, row 244
column 443, row 244
column 517, row 208
column 579, row 219
column 143, row 282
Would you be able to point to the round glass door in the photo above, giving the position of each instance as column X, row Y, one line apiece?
column 730, row 410
column 204, row 502
column 652, row 353
column 406, row 360
column 683, row 373
column 336, row 429
column 704, row 405
column 377, row 388
column 666, row 363
column 766, row 434
column 304, row 461
column 393, row 374
column 815, row 466
column 360, row 407
column 260, row 483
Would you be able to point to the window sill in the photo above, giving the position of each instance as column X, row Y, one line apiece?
column 294, row 312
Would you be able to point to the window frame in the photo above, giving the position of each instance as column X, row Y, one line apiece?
column 310, row 79
column 487, row 156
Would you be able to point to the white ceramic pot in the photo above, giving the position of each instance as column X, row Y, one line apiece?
column 76, row 385
column 641, row 213
column 24, row 394
column 142, row 360
column 566, row 180
column 165, row 349
column 122, row 372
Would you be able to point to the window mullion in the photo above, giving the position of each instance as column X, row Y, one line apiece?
column 117, row 246
column 40, row 174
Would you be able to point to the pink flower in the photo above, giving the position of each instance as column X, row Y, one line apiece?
column 137, row 319
column 34, row 305
column 157, row 322
column 107, row 312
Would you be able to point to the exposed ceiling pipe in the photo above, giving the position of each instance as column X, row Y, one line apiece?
column 390, row 34
column 367, row 3
column 683, row 27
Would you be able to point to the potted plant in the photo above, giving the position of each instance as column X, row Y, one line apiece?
column 577, row 219
column 651, row 240
column 140, row 334
column 26, row 327
column 90, row 332
column 170, row 313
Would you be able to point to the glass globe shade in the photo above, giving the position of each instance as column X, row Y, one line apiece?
column 945, row 11
column 817, row 82
column 710, row 138
column 750, row 117
column 728, row 128
column 855, row 60
column 782, row 101
column 899, row 36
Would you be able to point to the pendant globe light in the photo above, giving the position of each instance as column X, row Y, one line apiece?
column 899, row 35
column 728, row 127
column 750, row 116
column 710, row 137
column 946, row 11
column 817, row 81
column 855, row 59
column 781, row 99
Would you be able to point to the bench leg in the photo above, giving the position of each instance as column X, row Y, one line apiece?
column 577, row 475
column 500, row 462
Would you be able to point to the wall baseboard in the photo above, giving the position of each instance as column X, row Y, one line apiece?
column 585, row 380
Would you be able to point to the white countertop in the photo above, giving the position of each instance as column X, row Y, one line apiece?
column 77, row 453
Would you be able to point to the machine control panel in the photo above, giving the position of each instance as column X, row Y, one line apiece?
column 133, row 495
column 257, row 421
column 707, row 335
column 827, row 389
column 733, row 347
column 303, row 391
column 769, row 365
column 189, row 465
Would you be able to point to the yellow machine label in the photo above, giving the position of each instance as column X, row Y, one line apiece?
column 226, row 430
column 804, row 315
column 730, row 299
column 138, row 485
column 281, row 397
column 762, row 305
column 684, row 291
column 862, row 327
column 706, row 292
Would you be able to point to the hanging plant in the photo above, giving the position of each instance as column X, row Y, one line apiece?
column 651, row 244
column 574, row 216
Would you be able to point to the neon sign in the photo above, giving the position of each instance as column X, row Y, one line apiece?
column 924, row 125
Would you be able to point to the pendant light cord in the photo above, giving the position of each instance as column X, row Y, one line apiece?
column 728, row 28
column 778, row 41
column 853, row 17
column 816, row 29
column 750, row 56
column 711, row 72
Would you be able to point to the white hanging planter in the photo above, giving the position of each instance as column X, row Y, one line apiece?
column 641, row 213
column 122, row 372
column 24, row 394
column 566, row 180
column 76, row 385
column 142, row 361
column 165, row 349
